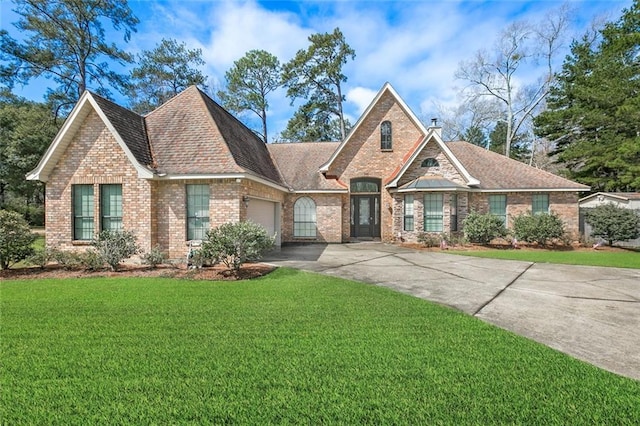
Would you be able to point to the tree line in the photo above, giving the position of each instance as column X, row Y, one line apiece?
column 581, row 120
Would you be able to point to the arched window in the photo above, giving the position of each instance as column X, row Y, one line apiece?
column 385, row 136
column 304, row 218
column 430, row 162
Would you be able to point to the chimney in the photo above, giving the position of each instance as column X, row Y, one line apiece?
column 434, row 126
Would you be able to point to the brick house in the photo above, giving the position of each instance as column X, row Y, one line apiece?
column 190, row 165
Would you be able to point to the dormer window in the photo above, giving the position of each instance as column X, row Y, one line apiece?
column 385, row 136
column 430, row 162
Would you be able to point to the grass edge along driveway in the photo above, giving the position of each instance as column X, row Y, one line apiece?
column 291, row 347
column 618, row 259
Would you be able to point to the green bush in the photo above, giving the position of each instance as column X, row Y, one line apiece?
column 236, row 243
column 429, row 240
column 15, row 239
column 482, row 228
column 41, row 257
column 613, row 223
column 90, row 260
column 540, row 228
column 155, row 257
column 115, row 246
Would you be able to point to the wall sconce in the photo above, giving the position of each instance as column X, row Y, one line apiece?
column 245, row 200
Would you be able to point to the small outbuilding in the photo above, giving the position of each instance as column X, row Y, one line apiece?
column 627, row 200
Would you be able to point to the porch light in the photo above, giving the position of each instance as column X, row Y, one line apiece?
column 245, row 200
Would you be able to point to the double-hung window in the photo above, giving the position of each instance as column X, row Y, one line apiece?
column 408, row 212
column 498, row 207
column 540, row 203
column 111, row 207
column 433, row 213
column 82, row 212
column 197, row 211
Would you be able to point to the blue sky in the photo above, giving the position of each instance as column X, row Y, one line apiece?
column 414, row 45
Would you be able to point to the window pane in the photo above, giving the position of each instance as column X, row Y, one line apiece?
column 197, row 211
column 433, row 213
column 540, row 203
column 82, row 212
column 408, row 212
column 498, row 206
column 453, row 208
column 365, row 185
column 111, row 207
column 304, row 218
column 385, row 135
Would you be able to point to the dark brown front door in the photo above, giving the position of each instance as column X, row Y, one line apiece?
column 365, row 216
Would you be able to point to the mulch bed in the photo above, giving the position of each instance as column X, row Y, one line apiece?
column 216, row 273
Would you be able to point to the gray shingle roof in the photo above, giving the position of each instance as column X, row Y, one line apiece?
column 431, row 182
column 497, row 172
column 299, row 164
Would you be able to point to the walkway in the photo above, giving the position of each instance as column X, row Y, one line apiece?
column 590, row 313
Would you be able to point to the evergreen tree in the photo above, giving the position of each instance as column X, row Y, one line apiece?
column 65, row 40
column 593, row 111
column 316, row 75
column 249, row 81
column 164, row 72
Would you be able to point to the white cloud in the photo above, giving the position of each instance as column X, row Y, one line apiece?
column 361, row 97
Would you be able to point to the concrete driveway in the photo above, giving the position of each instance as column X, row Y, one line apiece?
column 590, row 313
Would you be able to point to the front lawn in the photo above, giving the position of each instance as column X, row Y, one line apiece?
column 291, row 347
column 605, row 257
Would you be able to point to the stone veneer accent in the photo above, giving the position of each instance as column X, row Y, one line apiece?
column 563, row 204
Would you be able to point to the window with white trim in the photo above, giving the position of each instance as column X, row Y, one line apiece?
column 304, row 218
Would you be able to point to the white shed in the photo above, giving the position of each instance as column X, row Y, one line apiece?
column 628, row 200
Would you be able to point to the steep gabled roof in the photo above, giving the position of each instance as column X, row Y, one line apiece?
column 386, row 88
column 499, row 173
column 434, row 137
column 299, row 165
column 126, row 127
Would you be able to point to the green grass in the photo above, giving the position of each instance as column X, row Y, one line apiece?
column 291, row 347
column 619, row 259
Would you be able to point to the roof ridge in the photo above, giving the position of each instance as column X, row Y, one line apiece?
column 171, row 100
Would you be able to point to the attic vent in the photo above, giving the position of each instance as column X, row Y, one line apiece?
column 430, row 162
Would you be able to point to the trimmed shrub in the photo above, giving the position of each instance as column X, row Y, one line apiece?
column 155, row 257
column 482, row 228
column 613, row 223
column 236, row 243
column 540, row 228
column 115, row 246
column 16, row 239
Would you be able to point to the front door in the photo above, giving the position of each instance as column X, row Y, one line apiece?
column 365, row 216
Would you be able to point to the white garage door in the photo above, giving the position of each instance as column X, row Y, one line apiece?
column 266, row 214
